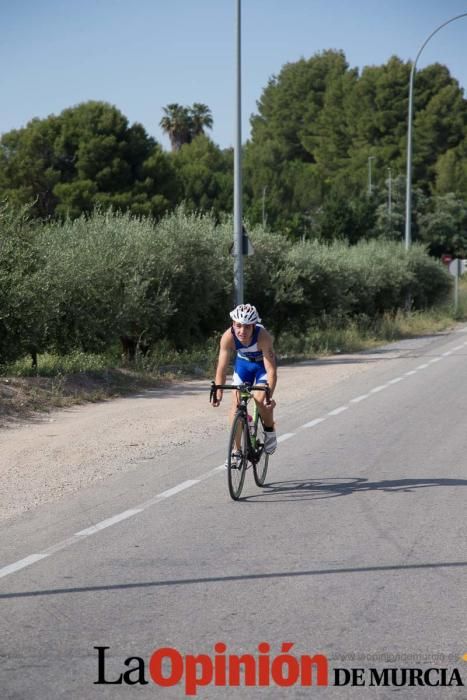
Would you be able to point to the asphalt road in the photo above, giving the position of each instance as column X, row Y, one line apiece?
column 355, row 550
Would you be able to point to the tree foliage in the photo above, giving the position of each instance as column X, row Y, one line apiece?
column 319, row 121
column 183, row 124
column 205, row 175
column 87, row 155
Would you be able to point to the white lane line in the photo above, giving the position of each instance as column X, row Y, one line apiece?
column 395, row 380
column 176, row 489
column 107, row 523
column 422, row 366
column 285, row 436
column 434, row 359
column 336, row 411
column 21, row 564
column 410, row 373
column 446, row 354
column 167, row 494
column 312, row 423
column 378, row 388
column 458, row 347
column 357, row 399
column 88, row 532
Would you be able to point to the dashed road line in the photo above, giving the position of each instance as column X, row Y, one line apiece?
column 312, row 423
column 285, row 436
column 21, row 564
column 336, row 411
column 357, row 399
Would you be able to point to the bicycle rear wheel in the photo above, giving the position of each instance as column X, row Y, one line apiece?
column 236, row 470
column 260, row 469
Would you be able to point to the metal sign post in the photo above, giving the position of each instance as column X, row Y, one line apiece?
column 457, row 268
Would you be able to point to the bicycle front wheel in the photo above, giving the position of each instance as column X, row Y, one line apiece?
column 237, row 456
column 260, row 468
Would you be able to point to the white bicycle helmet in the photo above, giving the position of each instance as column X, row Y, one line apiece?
column 245, row 313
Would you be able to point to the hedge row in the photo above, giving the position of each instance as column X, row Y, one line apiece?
column 88, row 283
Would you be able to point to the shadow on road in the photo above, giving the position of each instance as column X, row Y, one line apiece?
column 309, row 489
column 232, row 579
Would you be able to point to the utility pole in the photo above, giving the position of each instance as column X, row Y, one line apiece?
column 238, row 228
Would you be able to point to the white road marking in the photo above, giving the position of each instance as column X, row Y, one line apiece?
column 312, row 423
column 395, row 380
column 422, row 366
column 88, row 532
column 108, row 523
column 409, row 374
column 378, row 388
column 336, row 411
column 167, row 494
column 357, row 399
column 21, row 564
column 285, row 436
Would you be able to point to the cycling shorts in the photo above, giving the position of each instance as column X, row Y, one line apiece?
column 246, row 372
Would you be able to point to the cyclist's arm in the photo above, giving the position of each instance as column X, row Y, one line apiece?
column 223, row 361
column 269, row 356
column 226, row 348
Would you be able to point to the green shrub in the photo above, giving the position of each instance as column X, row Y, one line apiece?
column 24, row 288
column 85, row 285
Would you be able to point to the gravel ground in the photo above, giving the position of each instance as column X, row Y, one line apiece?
column 49, row 457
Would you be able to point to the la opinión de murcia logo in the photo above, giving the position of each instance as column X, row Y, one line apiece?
column 168, row 667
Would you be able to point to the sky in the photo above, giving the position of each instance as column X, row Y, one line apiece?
column 144, row 54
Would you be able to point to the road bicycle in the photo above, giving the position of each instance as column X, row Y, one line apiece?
column 246, row 441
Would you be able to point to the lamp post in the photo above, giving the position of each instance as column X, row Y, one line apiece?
column 370, row 158
column 408, row 193
column 238, row 228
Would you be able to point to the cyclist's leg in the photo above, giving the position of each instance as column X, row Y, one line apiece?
column 266, row 413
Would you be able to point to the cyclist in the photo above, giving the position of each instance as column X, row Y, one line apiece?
column 255, row 363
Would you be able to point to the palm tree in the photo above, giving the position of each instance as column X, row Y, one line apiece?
column 201, row 118
column 177, row 124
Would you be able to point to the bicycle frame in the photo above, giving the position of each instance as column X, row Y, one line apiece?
column 245, row 392
column 252, row 451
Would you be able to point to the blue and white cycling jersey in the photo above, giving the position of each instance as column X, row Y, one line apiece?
column 249, row 365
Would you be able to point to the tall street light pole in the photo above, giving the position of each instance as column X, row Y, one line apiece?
column 408, row 192
column 238, row 228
